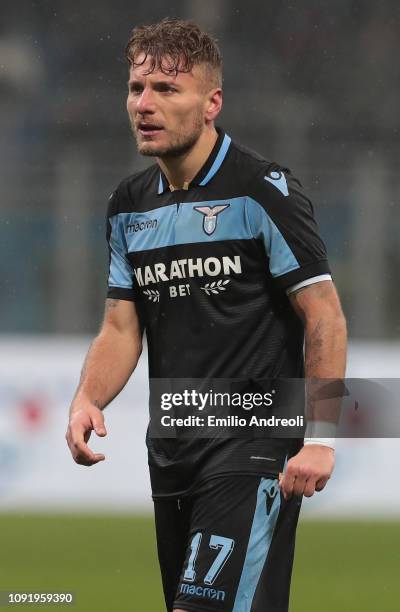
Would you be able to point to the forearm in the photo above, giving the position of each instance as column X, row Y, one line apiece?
column 325, row 347
column 325, row 365
column 325, row 359
column 318, row 306
column 109, row 363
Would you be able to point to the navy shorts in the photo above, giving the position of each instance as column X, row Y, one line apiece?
column 228, row 546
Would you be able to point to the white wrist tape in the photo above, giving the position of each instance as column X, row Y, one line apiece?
column 330, row 442
column 320, row 432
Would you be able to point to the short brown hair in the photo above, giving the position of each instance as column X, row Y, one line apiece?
column 175, row 45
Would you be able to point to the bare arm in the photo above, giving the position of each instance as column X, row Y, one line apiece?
column 109, row 363
column 319, row 308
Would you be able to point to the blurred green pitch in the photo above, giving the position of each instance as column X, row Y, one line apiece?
column 110, row 562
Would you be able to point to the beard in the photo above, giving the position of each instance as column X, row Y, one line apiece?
column 181, row 142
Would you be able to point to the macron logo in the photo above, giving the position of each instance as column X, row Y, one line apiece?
column 278, row 180
column 142, row 225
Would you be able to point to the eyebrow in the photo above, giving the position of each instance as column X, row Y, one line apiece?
column 168, row 80
column 163, row 82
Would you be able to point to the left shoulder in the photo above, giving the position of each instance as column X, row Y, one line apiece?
column 266, row 178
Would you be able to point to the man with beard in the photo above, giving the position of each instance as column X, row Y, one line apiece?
column 214, row 251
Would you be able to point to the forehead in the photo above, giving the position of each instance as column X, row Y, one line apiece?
column 182, row 78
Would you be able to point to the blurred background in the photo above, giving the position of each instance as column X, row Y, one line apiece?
column 313, row 85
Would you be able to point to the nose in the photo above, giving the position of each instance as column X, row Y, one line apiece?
column 145, row 102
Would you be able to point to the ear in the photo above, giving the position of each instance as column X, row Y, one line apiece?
column 213, row 104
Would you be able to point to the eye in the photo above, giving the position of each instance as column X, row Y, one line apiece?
column 166, row 88
column 135, row 88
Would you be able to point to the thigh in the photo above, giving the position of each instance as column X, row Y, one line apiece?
column 240, row 547
column 172, row 520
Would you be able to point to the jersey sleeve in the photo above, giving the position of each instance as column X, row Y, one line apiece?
column 120, row 273
column 281, row 215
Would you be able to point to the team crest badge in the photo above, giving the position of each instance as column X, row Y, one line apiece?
column 210, row 216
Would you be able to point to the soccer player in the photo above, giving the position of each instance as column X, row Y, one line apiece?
column 214, row 251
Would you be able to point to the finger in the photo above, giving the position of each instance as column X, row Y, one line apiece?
column 321, row 484
column 80, row 449
column 98, row 424
column 309, row 488
column 299, row 484
column 287, row 482
column 84, row 455
column 77, row 435
column 83, row 460
column 81, row 452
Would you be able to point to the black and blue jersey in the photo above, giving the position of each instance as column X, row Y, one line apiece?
column 209, row 268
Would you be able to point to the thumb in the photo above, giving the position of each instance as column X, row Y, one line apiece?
column 98, row 424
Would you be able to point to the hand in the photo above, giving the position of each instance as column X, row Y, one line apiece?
column 308, row 471
column 84, row 418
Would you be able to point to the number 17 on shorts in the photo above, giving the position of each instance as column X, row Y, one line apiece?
column 240, row 551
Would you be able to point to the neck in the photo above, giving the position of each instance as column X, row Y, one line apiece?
column 181, row 170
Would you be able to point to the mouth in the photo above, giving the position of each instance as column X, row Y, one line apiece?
column 149, row 129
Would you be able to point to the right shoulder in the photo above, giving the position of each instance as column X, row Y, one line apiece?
column 132, row 189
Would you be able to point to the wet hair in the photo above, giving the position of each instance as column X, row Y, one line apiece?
column 173, row 46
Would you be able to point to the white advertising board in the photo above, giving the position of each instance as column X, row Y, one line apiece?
column 38, row 378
